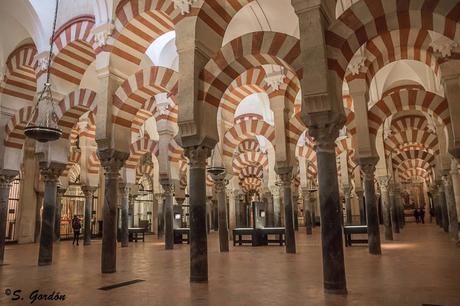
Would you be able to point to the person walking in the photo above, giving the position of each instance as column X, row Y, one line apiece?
column 421, row 215
column 76, row 225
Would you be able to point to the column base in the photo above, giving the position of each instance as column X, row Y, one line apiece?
column 108, row 271
column 86, row 242
column 199, row 280
column 45, row 263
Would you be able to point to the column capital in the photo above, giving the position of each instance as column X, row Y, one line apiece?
column 112, row 160
column 51, row 170
column 384, row 182
column 61, row 191
column 325, row 127
column 197, row 156
column 368, row 164
column 125, row 189
column 168, row 188
column 88, row 190
column 285, row 175
column 6, row 177
column 346, row 190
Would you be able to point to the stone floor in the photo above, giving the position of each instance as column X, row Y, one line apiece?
column 421, row 267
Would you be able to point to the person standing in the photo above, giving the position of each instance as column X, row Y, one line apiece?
column 421, row 215
column 416, row 215
column 76, row 225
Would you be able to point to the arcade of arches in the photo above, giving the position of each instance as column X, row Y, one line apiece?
column 204, row 118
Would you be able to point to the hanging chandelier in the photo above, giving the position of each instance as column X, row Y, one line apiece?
column 43, row 125
column 215, row 169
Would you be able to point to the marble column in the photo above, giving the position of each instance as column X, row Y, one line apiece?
column 219, row 185
column 362, row 211
column 285, row 174
column 393, row 194
column 443, row 206
column 384, row 182
column 347, row 196
column 198, row 236
column 295, row 208
column 6, row 177
column 436, row 204
column 57, row 220
column 112, row 161
column 313, row 205
column 270, row 210
column 125, row 190
column 373, row 231
column 238, row 210
column 307, row 211
column 88, row 191
column 50, row 173
column 168, row 214
column 330, row 212
column 276, row 206
column 451, row 206
column 160, row 216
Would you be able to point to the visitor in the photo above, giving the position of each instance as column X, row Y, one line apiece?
column 76, row 225
column 416, row 215
column 431, row 214
column 421, row 215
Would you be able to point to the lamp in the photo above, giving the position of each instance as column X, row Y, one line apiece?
column 215, row 169
column 43, row 126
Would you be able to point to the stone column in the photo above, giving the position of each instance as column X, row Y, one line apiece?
column 160, row 216
column 451, row 206
column 6, row 177
column 436, row 204
column 276, row 206
column 57, row 220
column 393, row 208
column 443, row 206
column 347, row 194
column 330, row 212
column 373, row 231
column 295, row 208
column 313, row 204
column 50, row 172
column 270, row 210
column 198, row 236
column 219, row 185
column 112, row 161
column 168, row 214
column 307, row 211
column 285, row 175
column 125, row 190
column 362, row 212
column 384, row 182
column 88, row 191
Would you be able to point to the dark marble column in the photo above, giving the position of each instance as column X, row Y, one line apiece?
column 57, row 219
column 347, row 194
column 307, row 211
column 331, row 214
column 161, row 218
column 88, row 191
column 6, row 177
column 125, row 190
column 313, row 204
column 50, row 173
column 112, row 161
column 443, row 206
column 451, row 206
column 394, row 193
column 276, row 206
column 168, row 214
column 384, row 182
column 295, row 208
column 219, row 185
column 373, row 231
column 198, row 236
column 270, row 212
column 238, row 210
column 285, row 174
column 362, row 211
column 436, row 205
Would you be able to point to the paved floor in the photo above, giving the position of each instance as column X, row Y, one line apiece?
column 421, row 267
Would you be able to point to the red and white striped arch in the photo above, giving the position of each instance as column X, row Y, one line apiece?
column 364, row 20
column 14, row 129
column 252, row 171
column 245, row 130
column 142, row 170
column 138, row 24
column 19, row 80
column 388, row 47
column 251, row 184
column 406, row 100
column 414, row 163
column 176, row 153
column 416, row 173
column 410, row 140
column 249, row 145
column 74, row 49
column 399, row 158
column 93, row 164
column 247, row 159
column 139, row 148
column 139, row 88
column 246, row 52
column 72, row 107
column 409, row 122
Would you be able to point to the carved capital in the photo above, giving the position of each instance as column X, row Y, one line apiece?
column 7, row 177
column 325, row 128
column 88, row 191
column 183, row 5
column 168, row 189
column 285, row 175
column 367, row 164
column 61, row 191
column 112, row 161
column 125, row 189
column 346, row 190
column 197, row 156
column 384, row 182
column 51, row 170
column 102, row 34
column 443, row 46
